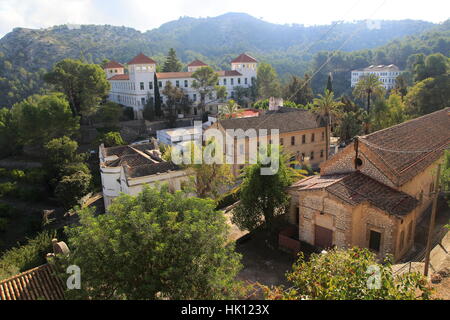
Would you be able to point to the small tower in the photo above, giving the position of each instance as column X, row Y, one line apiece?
column 113, row 68
column 195, row 65
column 246, row 65
column 141, row 68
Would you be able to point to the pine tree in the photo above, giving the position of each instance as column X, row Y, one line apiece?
column 172, row 63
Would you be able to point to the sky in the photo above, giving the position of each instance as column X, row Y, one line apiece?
column 144, row 15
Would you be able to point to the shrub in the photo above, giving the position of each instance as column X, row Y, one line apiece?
column 228, row 199
column 71, row 189
column 4, row 173
column 28, row 256
column 8, row 189
column 17, row 175
column 111, row 139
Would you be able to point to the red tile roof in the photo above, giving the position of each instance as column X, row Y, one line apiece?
column 35, row 284
column 410, row 147
column 197, row 63
column 141, row 59
column 184, row 75
column 120, row 77
column 112, row 65
column 244, row 58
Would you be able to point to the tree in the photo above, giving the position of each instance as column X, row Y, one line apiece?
column 172, row 63
column 263, row 197
column 111, row 139
column 431, row 66
column 267, row 81
column 40, row 119
column 158, row 100
column 352, row 274
column 156, row 245
column 205, row 81
column 330, row 83
column 369, row 86
column 71, row 189
column 84, row 85
column 149, row 113
column 350, row 125
column 175, row 97
column 110, row 113
column 229, row 109
column 428, row 95
column 9, row 142
column 401, row 85
column 330, row 109
column 299, row 91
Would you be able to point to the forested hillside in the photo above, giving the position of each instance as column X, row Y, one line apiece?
column 292, row 49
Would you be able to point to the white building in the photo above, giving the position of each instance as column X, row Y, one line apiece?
column 127, row 169
column 175, row 136
column 386, row 74
column 134, row 87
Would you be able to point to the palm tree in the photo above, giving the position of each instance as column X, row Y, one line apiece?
column 330, row 109
column 229, row 109
column 369, row 86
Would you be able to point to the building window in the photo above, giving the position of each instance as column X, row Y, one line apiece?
column 281, row 141
column 239, row 80
column 246, row 80
column 321, row 153
column 313, row 137
column 142, row 86
column 150, row 85
column 186, row 83
column 143, row 101
column 293, row 141
column 177, row 83
column 232, row 81
column 304, row 139
column 312, row 155
column 224, row 82
column 375, row 241
column 194, row 97
column 160, row 84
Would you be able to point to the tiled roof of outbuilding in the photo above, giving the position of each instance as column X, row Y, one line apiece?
column 410, row 147
column 35, row 284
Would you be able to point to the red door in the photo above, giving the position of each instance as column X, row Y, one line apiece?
column 323, row 237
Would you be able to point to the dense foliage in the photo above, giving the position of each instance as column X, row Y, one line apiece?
column 352, row 274
column 157, row 245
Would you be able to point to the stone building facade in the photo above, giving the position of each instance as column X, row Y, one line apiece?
column 374, row 192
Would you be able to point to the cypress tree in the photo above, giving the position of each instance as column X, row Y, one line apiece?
column 330, row 83
column 158, row 111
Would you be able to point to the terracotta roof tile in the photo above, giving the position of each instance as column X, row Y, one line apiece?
column 141, row 59
column 35, row 284
column 400, row 147
column 185, row 75
column 356, row 188
column 244, row 58
column 197, row 63
column 112, row 65
column 120, row 77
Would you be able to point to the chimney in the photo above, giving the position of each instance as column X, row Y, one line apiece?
column 275, row 103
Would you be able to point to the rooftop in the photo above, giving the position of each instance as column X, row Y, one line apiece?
column 381, row 67
column 141, row 59
column 244, row 58
column 112, row 65
column 35, row 284
column 410, row 147
column 197, row 63
column 356, row 188
column 284, row 121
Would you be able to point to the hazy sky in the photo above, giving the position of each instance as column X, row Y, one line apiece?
column 148, row 14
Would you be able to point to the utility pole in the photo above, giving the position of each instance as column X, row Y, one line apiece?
column 432, row 220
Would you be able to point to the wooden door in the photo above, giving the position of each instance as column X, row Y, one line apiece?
column 323, row 237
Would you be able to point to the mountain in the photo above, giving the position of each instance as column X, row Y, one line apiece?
column 25, row 54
